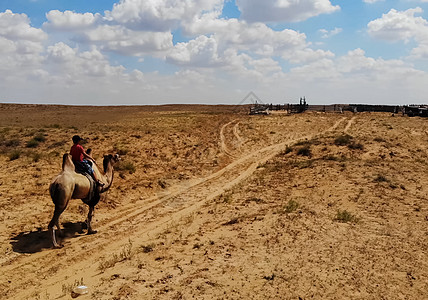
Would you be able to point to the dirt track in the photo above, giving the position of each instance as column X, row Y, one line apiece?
column 203, row 229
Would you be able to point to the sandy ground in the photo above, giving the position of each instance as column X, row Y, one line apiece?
column 210, row 203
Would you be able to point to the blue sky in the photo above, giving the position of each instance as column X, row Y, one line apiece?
column 213, row 51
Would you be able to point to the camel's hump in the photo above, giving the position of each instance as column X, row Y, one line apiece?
column 67, row 163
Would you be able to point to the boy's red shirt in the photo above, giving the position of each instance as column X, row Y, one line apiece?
column 76, row 152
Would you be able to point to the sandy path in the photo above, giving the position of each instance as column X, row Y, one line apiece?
column 238, row 137
column 349, row 124
column 224, row 148
column 140, row 222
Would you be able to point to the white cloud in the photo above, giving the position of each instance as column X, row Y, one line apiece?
column 255, row 38
column 20, row 45
column 200, row 52
column 17, row 27
column 68, row 62
column 355, row 64
column 158, row 15
column 283, row 10
column 400, row 26
column 372, row 1
column 127, row 42
column 420, row 52
column 403, row 26
column 69, row 20
column 307, row 55
column 329, row 33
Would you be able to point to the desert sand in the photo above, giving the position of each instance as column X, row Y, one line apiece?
column 211, row 203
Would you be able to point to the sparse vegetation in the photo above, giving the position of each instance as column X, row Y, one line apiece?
column 287, row 150
column 162, row 184
column 381, row 178
column 343, row 140
column 12, row 143
column 345, row 216
column 379, row 140
column 291, row 206
column 301, row 164
column 36, row 156
column 147, row 248
column 32, row 143
column 40, row 137
column 68, row 288
column 304, row 151
column 126, row 166
column 226, row 198
column 255, row 199
column 15, row 154
column 331, row 157
column 355, row 146
column 232, row 221
column 125, row 254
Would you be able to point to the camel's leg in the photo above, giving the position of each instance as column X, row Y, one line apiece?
column 89, row 219
column 52, row 223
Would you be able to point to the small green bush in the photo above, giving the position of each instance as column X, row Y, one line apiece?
column 40, row 137
column 343, row 140
column 291, row 206
column 381, row 178
column 126, row 166
column 304, row 151
column 15, row 154
column 37, row 156
column 356, row 146
column 345, row 216
column 287, row 150
column 379, row 140
column 32, row 143
column 12, row 143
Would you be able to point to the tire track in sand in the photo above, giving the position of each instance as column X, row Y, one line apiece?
column 349, row 124
column 223, row 146
column 84, row 258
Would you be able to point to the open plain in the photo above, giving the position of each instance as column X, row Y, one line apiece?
column 211, row 203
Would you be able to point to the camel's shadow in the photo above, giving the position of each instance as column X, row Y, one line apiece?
column 36, row 241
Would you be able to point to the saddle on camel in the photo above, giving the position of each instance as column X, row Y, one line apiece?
column 80, row 178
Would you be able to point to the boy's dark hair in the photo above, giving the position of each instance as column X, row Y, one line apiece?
column 76, row 138
column 89, row 150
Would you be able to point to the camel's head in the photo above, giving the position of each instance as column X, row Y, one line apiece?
column 110, row 159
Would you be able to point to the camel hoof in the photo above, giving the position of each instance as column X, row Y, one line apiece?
column 91, row 232
column 57, row 246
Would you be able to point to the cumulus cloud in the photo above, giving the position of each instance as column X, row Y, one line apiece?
column 403, row 26
column 355, row 64
column 158, row 15
column 119, row 39
column 69, row 20
column 20, row 45
column 420, row 52
column 372, row 1
column 400, row 26
column 256, row 38
column 283, row 10
column 17, row 27
column 200, row 52
column 329, row 33
column 75, row 65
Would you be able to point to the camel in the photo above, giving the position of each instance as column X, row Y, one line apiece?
column 71, row 185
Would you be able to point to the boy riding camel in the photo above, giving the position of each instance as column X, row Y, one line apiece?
column 83, row 160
